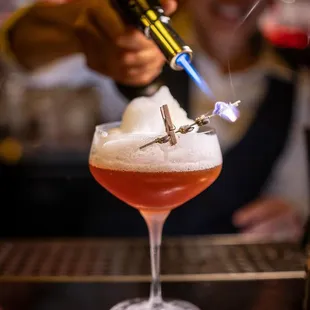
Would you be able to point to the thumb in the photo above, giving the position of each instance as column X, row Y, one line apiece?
column 169, row 6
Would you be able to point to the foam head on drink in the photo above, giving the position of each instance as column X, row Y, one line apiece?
column 159, row 177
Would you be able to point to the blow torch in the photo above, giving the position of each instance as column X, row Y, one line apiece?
column 149, row 17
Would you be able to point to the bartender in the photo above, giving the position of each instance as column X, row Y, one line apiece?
column 263, row 189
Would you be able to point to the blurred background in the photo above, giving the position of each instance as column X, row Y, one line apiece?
column 47, row 120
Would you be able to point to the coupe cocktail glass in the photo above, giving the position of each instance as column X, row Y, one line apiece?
column 154, row 180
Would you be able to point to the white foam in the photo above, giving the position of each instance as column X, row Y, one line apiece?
column 142, row 115
column 119, row 149
column 193, row 152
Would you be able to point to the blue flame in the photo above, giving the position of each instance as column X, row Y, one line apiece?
column 183, row 60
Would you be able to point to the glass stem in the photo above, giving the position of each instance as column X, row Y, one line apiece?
column 155, row 223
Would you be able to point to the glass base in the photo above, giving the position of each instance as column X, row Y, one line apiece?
column 143, row 304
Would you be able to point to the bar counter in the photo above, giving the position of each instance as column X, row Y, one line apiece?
column 212, row 272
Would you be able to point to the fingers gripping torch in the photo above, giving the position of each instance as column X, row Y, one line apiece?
column 149, row 17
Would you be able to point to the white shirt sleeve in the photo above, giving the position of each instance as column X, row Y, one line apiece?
column 290, row 177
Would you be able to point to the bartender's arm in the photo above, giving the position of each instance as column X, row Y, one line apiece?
column 45, row 32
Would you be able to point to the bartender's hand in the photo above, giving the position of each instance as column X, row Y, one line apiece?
column 117, row 50
column 269, row 219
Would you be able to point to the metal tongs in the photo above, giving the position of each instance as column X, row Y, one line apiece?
column 227, row 111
